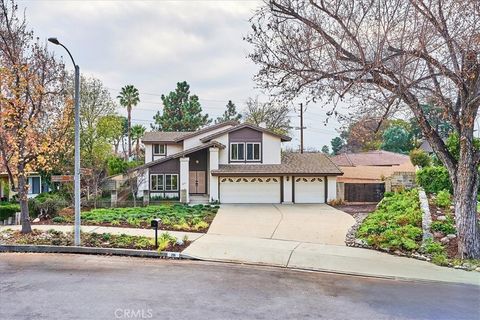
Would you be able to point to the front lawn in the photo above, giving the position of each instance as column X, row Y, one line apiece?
column 166, row 241
column 174, row 217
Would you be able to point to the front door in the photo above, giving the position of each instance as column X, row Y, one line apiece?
column 197, row 182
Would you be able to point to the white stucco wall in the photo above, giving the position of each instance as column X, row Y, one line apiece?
column 271, row 149
column 223, row 153
column 332, row 188
column 195, row 141
column 174, row 148
column 148, row 152
column 287, row 189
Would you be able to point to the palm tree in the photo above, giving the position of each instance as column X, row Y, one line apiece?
column 137, row 133
column 129, row 97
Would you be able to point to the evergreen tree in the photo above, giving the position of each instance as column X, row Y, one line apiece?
column 181, row 111
column 337, row 144
column 325, row 149
column 229, row 114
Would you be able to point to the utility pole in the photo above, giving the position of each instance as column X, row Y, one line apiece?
column 301, row 127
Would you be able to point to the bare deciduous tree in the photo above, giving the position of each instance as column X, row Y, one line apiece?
column 403, row 52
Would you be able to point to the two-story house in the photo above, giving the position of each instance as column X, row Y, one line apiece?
column 233, row 163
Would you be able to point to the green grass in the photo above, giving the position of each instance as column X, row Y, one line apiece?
column 396, row 224
column 173, row 216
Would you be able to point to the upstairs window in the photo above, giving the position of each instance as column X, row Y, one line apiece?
column 253, row 151
column 237, row 151
column 159, row 149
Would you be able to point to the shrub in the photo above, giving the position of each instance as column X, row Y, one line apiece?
column 8, row 210
column 396, row 224
column 420, row 158
column 440, row 259
column 446, row 227
column 48, row 203
column 434, row 179
column 443, row 199
column 165, row 240
column 433, row 247
column 58, row 219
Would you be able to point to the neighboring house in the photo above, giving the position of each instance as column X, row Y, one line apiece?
column 233, row 163
column 367, row 175
column 35, row 186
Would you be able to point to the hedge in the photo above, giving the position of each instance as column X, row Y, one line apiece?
column 434, row 179
column 8, row 210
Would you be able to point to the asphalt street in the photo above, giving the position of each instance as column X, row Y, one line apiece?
column 54, row 286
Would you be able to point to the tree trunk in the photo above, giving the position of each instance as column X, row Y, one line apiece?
column 465, row 186
column 129, row 110
column 138, row 149
column 23, row 199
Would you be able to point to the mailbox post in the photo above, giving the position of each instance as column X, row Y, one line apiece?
column 155, row 223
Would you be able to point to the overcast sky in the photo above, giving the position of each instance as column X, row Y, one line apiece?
column 155, row 44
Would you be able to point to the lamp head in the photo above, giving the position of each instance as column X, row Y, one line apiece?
column 54, row 41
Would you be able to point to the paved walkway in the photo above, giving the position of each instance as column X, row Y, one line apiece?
column 316, row 223
column 113, row 230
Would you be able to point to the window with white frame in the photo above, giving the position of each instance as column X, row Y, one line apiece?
column 237, row 151
column 253, row 151
column 156, row 182
column 171, row 182
column 159, row 149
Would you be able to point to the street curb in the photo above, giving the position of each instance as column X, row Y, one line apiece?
column 90, row 250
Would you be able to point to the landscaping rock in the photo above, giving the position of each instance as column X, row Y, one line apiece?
column 36, row 220
column 179, row 242
column 445, row 240
column 468, row 266
column 451, row 236
column 441, row 218
column 477, row 269
column 360, row 242
column 438, row 234
column 420, row 257
column 399, row 253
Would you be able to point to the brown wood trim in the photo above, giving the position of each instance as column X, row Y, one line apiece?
column 281, row 189
column 293, row 189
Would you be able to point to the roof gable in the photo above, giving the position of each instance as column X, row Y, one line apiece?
column 241, row 126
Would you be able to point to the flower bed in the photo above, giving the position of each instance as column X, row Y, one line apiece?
column 177, row 217
column 166, row 241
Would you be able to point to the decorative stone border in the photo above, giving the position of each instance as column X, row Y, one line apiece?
column 91, row 250
column 426, row 216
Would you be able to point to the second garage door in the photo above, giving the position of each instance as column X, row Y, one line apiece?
column 250, row 190
column 309, row 190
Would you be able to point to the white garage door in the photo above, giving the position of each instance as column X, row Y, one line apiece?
column 309, row 190
column 250, row 190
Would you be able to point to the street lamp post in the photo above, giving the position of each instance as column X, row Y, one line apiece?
column 77, row 143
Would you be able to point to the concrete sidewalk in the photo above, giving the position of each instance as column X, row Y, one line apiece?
column 321, row 257
column 112, row 230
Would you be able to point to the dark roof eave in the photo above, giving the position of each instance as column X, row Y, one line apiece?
column 254, row 174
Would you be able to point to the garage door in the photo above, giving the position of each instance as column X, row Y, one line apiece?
column 309, row 190
column 250, row 190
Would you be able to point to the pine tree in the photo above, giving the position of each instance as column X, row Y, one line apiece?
column 229, row 114
column 181, row 111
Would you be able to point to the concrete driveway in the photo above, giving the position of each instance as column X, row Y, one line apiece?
column 315, row 223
